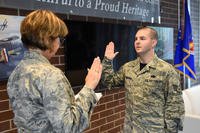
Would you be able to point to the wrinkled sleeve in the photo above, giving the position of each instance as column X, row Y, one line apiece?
column 174, row 107
column 64, row 112
column 110, row 78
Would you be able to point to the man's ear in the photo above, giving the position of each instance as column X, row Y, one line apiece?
column 154, row 42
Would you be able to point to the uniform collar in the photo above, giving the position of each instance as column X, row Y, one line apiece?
column 151, row 64
column 35, row 54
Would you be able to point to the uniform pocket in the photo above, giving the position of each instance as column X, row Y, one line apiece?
column 153, row 82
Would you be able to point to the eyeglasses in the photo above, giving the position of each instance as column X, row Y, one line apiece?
column 62, row 40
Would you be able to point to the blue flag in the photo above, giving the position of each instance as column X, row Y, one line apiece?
column 184, row 54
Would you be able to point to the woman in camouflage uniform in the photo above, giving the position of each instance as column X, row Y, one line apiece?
column 40, row 95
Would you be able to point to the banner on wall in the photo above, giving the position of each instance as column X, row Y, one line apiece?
column 11, row 47
column 138, row 10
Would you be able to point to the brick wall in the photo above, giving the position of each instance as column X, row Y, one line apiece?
column 6, row 114
column 108, row 116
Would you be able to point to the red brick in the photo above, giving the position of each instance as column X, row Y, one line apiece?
column 106, row 113
column 119, row 122
column 99, row 108
column 106, row 98
column 94, row 130
column 113, row 117
column 11, row 131
column 112, row 104
column 122, row 101
column 122, row 113
column 119, row 108
column 115, row 130
column 95, row 117
column 121, row 95
column 3, row 95
column 54, row 60
column 60, row 51
column 106, row 126
column 4, row 105
column 98, row 122
column 3, row 85
column 116, row 97
column 6, row 115
column 4, row 126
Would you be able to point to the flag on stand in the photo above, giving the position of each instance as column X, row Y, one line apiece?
column 184, row 54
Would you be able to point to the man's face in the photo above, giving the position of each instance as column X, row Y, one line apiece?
column 144, row 42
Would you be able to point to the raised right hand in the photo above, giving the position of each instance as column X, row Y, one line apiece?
column 110, row 49
column 94, row 74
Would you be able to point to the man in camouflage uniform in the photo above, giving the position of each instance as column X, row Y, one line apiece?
column 40, row 95
column 153, row 94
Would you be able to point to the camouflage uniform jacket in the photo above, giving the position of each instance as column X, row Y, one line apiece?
column 43, row 100
column 153, row 95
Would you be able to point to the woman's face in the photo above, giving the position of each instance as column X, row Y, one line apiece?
column 49, row 53
column 55, row 45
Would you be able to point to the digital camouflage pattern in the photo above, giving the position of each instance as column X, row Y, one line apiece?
column 153, row 95
column 43, row 100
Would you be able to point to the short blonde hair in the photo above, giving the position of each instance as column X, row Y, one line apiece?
column 40, row 28
column 153, row 32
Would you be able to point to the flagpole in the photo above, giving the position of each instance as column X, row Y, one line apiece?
column 184, row 78
column 178, row 13
column 188, row 79
column 184, row 72
column 179, row 25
